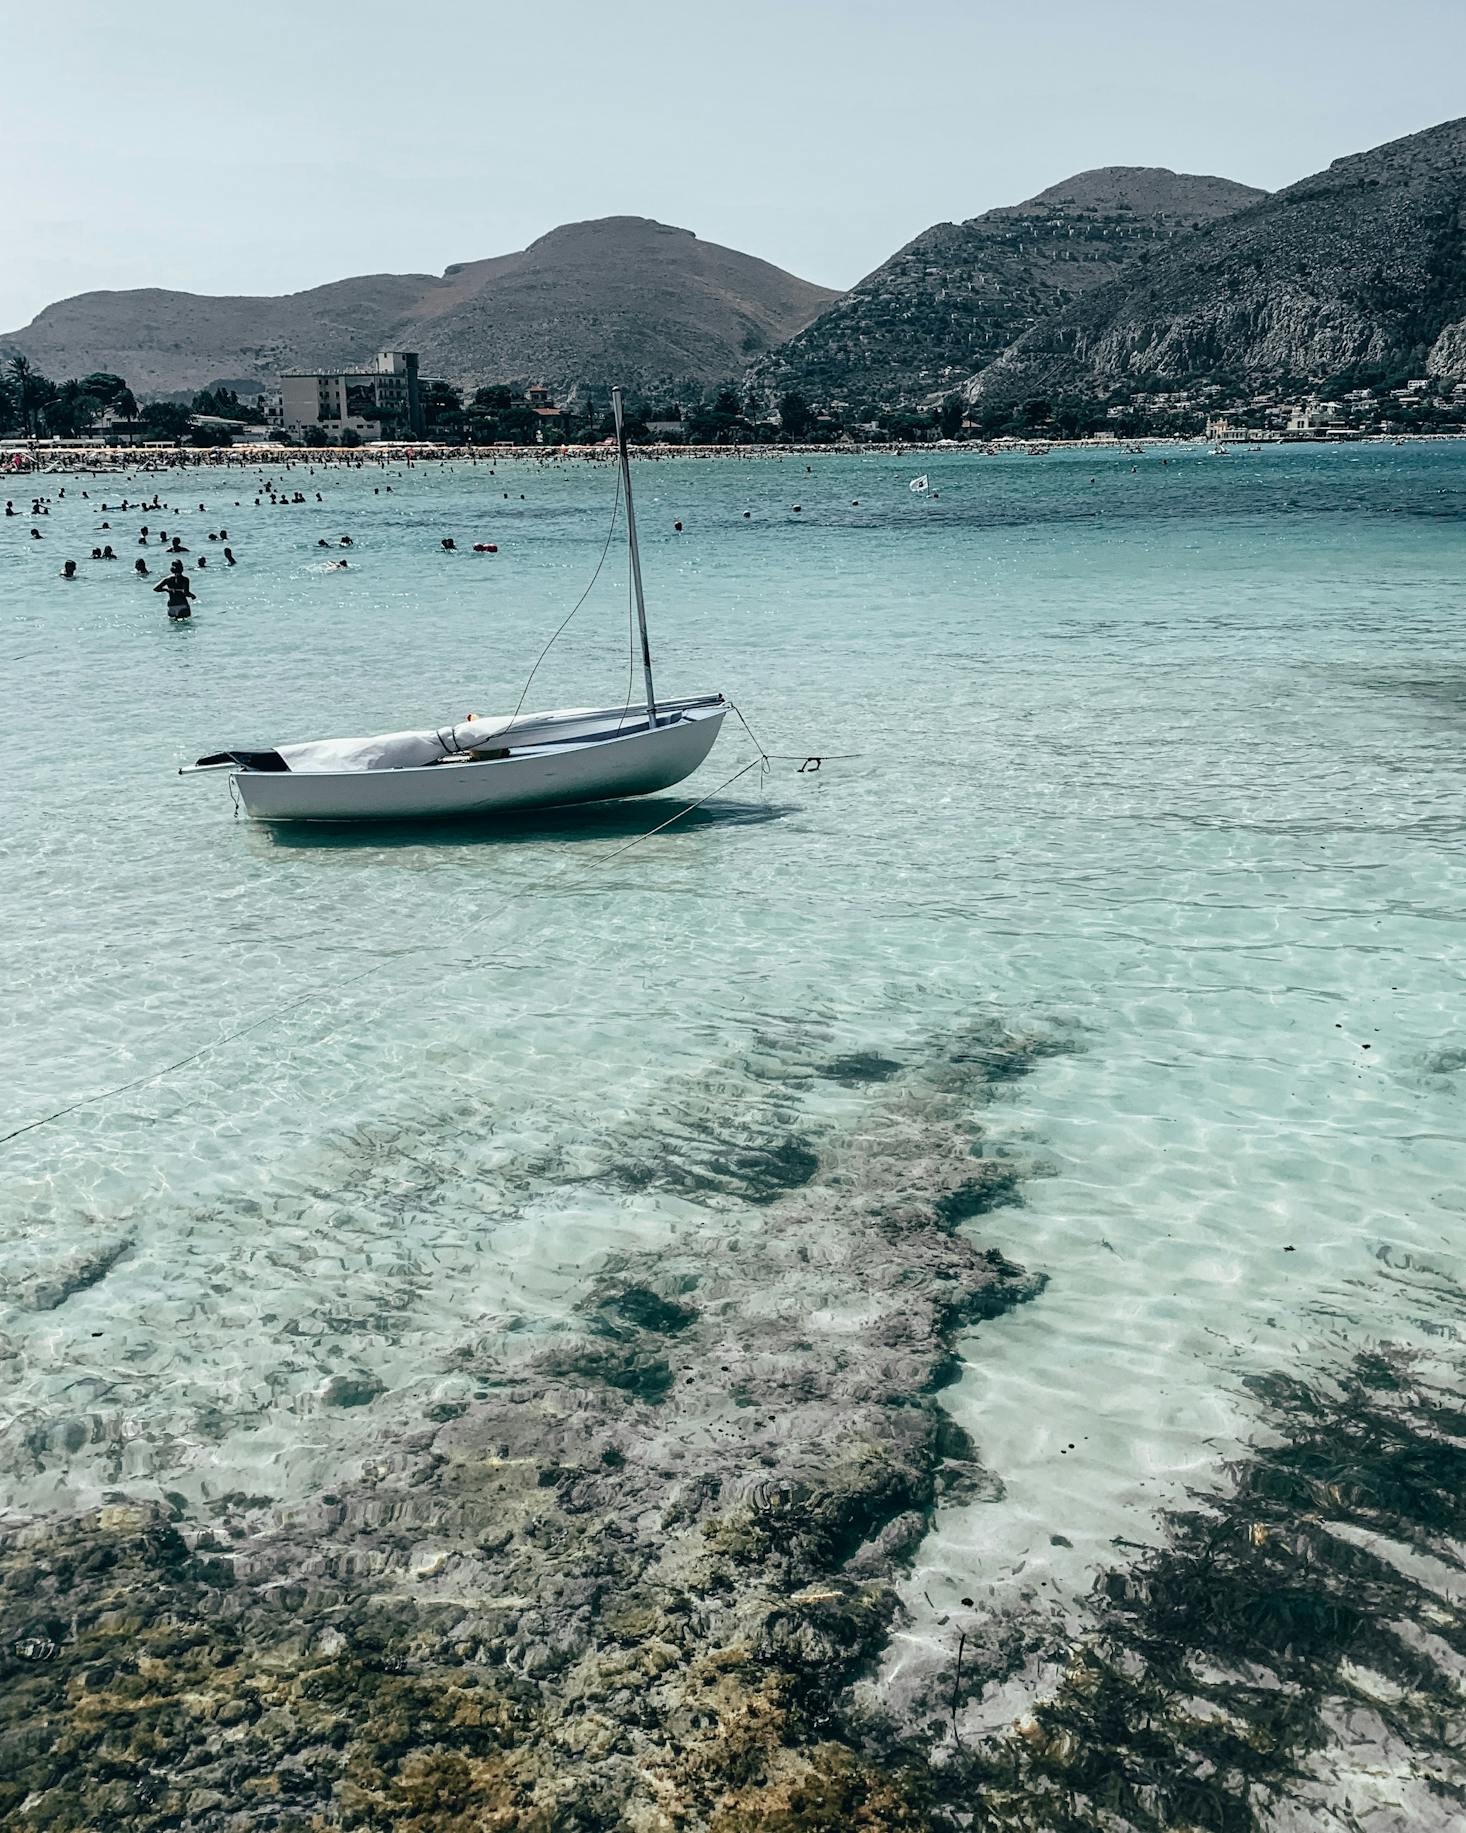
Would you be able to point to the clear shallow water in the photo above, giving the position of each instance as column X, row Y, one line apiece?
column 1167, row 758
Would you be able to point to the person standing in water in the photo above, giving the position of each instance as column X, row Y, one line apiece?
column 180, row 592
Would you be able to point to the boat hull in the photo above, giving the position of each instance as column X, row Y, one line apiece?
column 633, row 764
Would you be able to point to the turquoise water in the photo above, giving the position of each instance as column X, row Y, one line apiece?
column 1166, row 758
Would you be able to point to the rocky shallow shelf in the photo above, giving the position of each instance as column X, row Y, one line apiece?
column 627, row 1583
column 632, row 1581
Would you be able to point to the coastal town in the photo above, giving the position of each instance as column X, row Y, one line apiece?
column 388, row 402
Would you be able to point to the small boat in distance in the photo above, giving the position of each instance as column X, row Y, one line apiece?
column 487, row 766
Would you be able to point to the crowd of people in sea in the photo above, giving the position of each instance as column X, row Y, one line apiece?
column 180, row 581
column 272, row 488
column 176, row 581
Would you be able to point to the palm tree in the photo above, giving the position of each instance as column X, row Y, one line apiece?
column 32, row 390
column 71, row 410
column 125, row 407
column 22, row 378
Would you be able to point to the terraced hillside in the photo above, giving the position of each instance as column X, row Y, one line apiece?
column 951, row 300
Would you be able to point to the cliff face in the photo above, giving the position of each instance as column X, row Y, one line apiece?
column 622, row 299
column 952, row 299
column 1359, row 270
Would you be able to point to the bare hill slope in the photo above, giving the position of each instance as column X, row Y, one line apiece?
column 621, row 299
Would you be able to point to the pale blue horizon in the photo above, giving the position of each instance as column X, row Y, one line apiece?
column 216, row 150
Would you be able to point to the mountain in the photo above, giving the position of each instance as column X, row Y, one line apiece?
column 952, row 299
column 621, row 299
column 165, row 341
column 1356, row 274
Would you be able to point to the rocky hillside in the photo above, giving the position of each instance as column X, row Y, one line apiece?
column 950, row 301
column 622, row 299
column 1355, row 274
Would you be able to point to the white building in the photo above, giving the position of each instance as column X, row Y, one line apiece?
column 338, row 402
column 1316, row 417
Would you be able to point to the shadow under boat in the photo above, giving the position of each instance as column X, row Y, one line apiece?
column 593, row 821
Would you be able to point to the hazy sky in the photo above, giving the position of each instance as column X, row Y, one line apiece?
column 263, row 147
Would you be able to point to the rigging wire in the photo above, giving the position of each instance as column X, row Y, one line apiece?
column 610, row 532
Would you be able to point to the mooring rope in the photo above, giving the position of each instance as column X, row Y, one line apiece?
column 282, row 1008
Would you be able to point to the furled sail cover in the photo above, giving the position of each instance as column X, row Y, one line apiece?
column 390, row 750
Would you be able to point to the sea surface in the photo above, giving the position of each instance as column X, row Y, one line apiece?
column 1161, row 755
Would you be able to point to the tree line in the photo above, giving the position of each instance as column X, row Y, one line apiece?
column 33, row 405
column 719, row 416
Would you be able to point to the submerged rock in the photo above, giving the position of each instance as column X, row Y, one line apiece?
column 356, row 1389
column 39, row 1283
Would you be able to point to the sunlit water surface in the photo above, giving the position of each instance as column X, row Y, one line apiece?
column 1166, row 757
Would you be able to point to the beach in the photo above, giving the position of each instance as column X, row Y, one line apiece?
column 23, row 457
column 779, row 1326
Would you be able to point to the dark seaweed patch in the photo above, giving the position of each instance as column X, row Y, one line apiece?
column 352, row 1390
column 643, row 1309
column 1004, row 1056
column 706, row 1166
column 994, row 1185
column 861, row 1066
column 643, row 1375
column 1222, row 1665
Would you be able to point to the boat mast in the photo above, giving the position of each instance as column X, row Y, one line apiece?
column 646, row 648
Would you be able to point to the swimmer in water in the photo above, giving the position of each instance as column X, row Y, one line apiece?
column 140, row 567
column 180, row 592
column 229, row 556
column 69, row 570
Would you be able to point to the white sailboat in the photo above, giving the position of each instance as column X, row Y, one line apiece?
column 488, row 766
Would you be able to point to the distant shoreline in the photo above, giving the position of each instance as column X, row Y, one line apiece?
column 42, row 459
